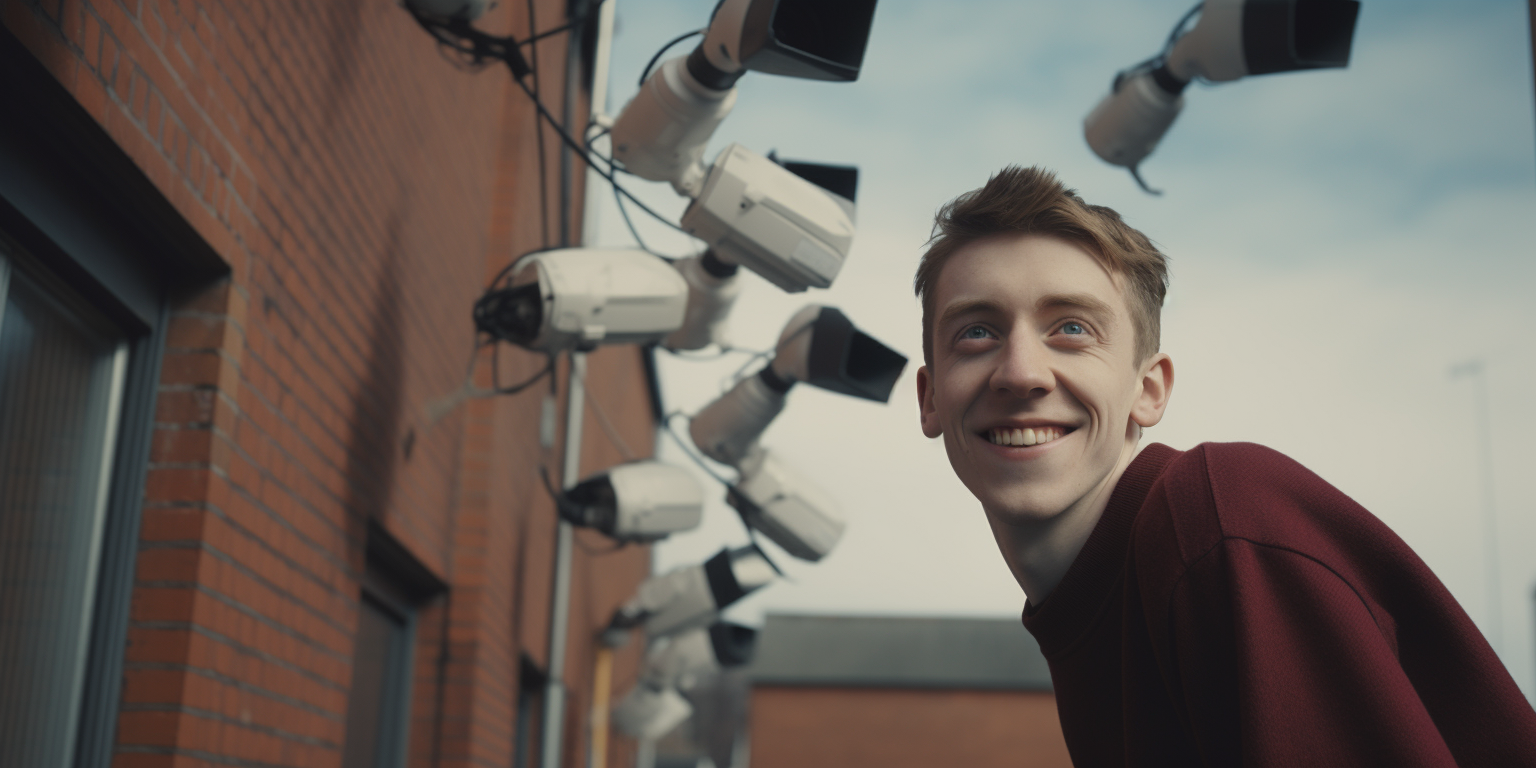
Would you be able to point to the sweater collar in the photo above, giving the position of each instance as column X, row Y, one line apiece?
column 1070, row 609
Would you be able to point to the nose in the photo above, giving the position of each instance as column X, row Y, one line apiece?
column 1023, row 368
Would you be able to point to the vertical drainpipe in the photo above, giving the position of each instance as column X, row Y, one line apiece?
column 560, row 599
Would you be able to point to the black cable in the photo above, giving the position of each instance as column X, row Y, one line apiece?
column 557, row 30
column 521, row 385
column 1136, row 174
column 587, row 158
column 618, row 200
column 666, row 424
column 538, row 132
column 645, row 73
column 1178, row 29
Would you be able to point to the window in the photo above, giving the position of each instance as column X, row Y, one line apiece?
column 62, row 367
column 91, row 254
column 394, row 588
column 378, row 706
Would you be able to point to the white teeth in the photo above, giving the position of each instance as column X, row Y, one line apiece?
column 1024, row 437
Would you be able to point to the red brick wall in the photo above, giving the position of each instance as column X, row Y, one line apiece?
column 362, row 190
column 808, row 727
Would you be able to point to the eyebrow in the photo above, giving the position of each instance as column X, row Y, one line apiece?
column 1087, row 302
column 1084, row 301
column 967, row 307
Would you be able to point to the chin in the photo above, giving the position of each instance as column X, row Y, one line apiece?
column 1023, row 506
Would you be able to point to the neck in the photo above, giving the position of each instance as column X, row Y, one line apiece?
column 1039, row 552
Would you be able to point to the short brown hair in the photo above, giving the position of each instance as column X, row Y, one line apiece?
column 1032, row 201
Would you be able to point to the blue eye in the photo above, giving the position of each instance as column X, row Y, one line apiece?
column 1073, row 329
column 975, row 332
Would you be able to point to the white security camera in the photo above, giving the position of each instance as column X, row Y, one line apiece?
column 577, row 298
column 819, row 346
column 786, row 507
column 763, row 216
column 468, row 10
column 712, row 290
column 693, row 595
column 662, row 132
column 637, row 501
column 648, row 713
column 654, row 707
column 1232, row 39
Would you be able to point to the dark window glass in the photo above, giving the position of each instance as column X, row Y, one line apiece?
column 61, row 381
column 378, row 706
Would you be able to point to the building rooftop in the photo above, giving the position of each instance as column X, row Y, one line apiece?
column 898, row 652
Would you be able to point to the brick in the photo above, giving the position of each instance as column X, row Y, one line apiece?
column 177, row 485
column 164, row 523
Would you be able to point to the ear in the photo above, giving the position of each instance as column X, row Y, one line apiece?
column 926, row 413
column 1156, row 387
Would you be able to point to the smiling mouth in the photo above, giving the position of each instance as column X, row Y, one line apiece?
column 1025, row 437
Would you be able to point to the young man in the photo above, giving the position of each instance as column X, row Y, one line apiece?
column 1219, row 606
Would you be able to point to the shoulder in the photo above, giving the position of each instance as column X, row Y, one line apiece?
column 1218, row 491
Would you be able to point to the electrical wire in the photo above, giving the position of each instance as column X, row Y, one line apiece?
column 513, row 389
column 1179, row 28
column 608, row 428
column 618, row 200
column 538, row 132
column 666, row 425
column 586, row 157
column 646, row 73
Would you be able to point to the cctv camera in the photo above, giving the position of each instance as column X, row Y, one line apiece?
column 1231, row 40
column 648, row 713
column 786, row 507
column 680, row 663
column 662, row 132
column 577, row 298
column 756, row 213
column 819, row 346
column 1127, row 125
column 712, row 290
column 693, row 595
column 638, row 501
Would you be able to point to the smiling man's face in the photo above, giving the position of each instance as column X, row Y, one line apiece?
column 1035, row 385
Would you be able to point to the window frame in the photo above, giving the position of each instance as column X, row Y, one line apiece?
column 90, row 217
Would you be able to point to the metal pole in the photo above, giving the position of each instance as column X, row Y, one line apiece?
column 1485, row 442
column 1474, row 369
column 575, row 402
column 560, row 600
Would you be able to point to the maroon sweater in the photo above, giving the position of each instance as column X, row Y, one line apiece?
column 1232, row 608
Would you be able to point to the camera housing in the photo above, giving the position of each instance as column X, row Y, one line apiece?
column 819, row 346
column 578, row 298
column 713, row 286
column 662, row 132
column 786, row 507
column 639, row 501
column 693, row 595
column 756, row 213
column 1232, row 39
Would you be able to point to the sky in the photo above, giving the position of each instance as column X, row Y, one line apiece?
column 1338, row 241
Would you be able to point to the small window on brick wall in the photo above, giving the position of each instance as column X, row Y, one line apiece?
column 378, row 707
column 395, row 586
